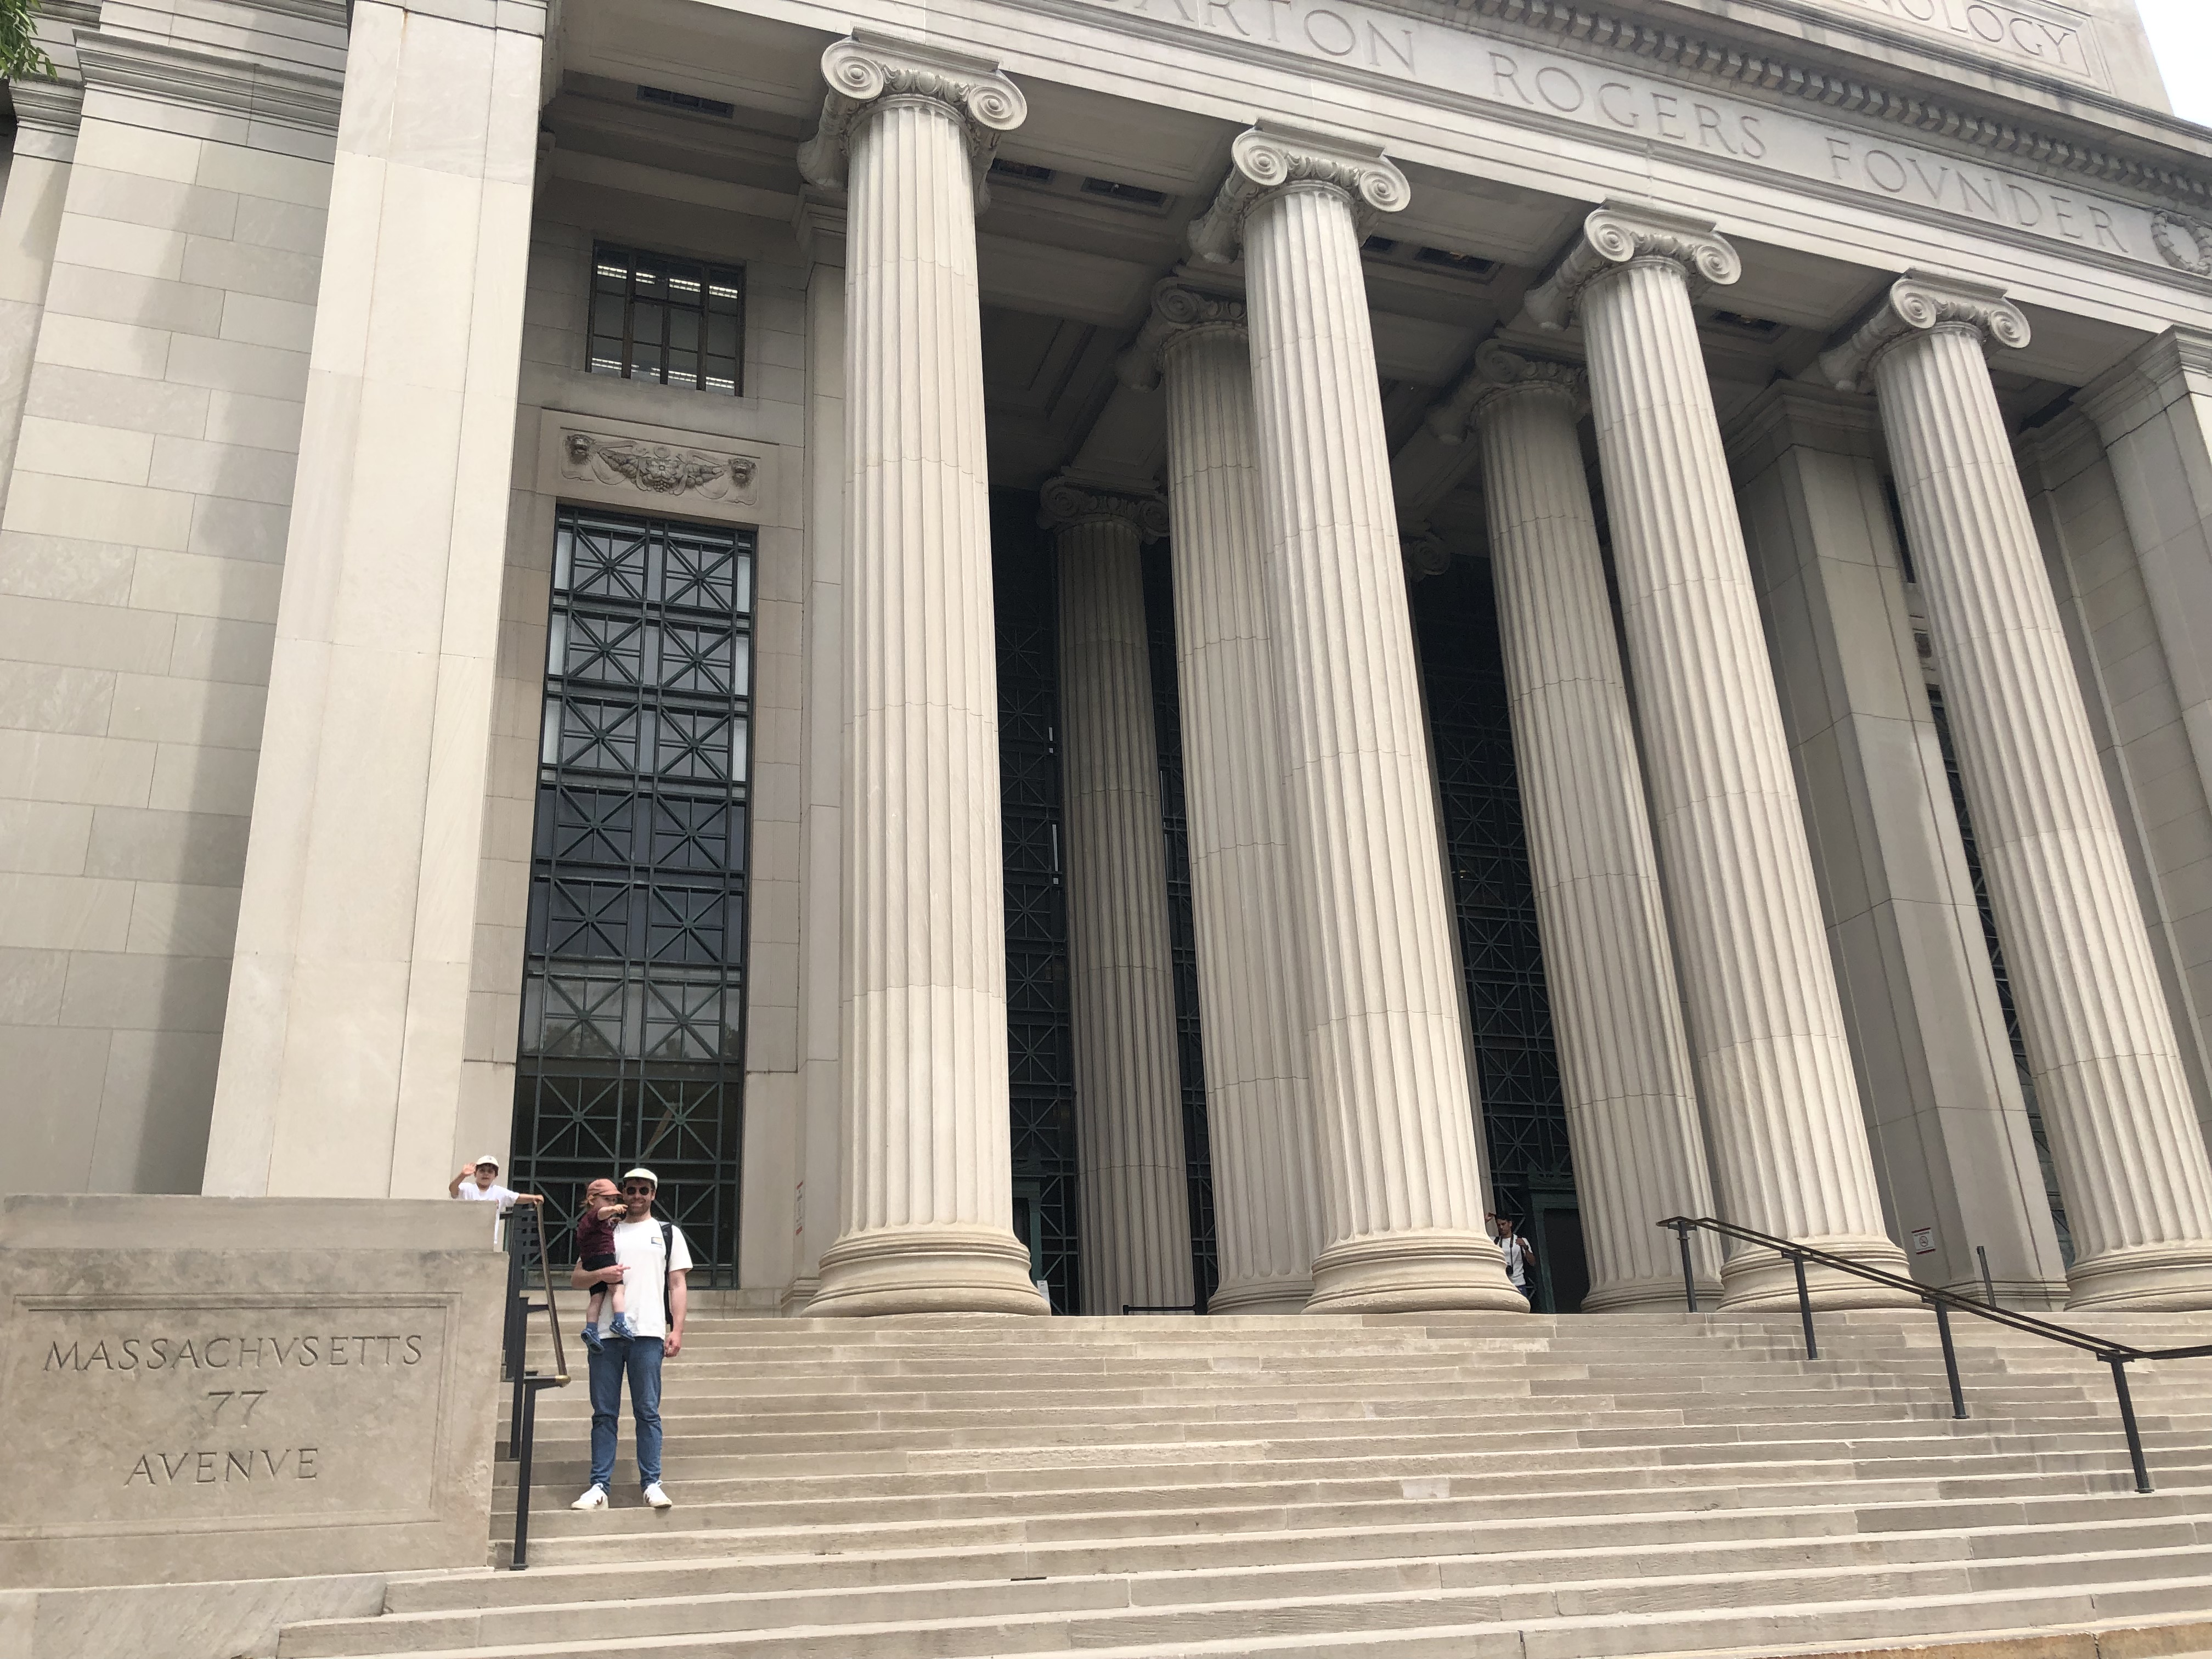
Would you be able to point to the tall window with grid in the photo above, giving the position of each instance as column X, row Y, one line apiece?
column 679, row 322
column 1524, row 1111
column 631, row 1048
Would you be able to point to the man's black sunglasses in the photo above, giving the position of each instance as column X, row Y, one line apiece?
column 640, row 1187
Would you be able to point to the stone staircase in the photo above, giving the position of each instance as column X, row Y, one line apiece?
column 1407, row 1488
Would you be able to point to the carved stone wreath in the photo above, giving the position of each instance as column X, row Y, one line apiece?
column 659, row 469
column 2182, row 242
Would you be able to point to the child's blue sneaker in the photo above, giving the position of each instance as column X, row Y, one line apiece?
column 591, row 1338
column 621, row 1326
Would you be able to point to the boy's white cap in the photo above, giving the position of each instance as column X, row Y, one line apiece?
column 489, row 1158
column 643, row 1175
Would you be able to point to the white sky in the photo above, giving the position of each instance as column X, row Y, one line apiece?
column 2181, row 35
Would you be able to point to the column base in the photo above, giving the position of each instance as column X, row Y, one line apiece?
column 1756, row 1280
column 1261, row 1295
column 939, row 1269
column 1660, row 1295
column 1428, row 1270
column 2145, row 1278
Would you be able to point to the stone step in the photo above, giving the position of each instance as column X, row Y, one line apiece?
column 630, row 1533
column 768, row 1562
column 1570, row 1620
column 1202, row 1462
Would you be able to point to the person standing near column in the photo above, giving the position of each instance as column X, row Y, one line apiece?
column 2131, row 1162
column 925, row 1189
column 1631, row 1109
column 1393, row 1108
column 1128, row 1081
column 1788, row 1138
column 1251, row 989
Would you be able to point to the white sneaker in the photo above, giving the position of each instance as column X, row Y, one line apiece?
column 654, row 1496
column 594, row 1498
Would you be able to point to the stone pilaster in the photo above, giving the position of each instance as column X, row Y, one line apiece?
column 1788, row 1143
column 343, row 1038
column 1400, row 1180
column 926, row 1188
column 2131, row 1162
column 1128, row 1092
column 1942, row 1097
column 1631, row 1105
column 1251, row 977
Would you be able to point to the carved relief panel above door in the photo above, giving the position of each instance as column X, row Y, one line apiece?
column 590, row 459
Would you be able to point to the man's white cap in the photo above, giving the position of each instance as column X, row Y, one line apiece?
column 643, row 1175
column 493, row 1162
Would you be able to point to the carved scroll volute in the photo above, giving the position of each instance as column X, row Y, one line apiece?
column 1918, row 303
column 1065, row 501
column 865, row 69
column 1178, row 310
column 1270, row 157
column 1619, row 233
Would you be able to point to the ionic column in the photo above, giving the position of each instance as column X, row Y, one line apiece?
column 1401, row 1191
column 2131, row 1164
column 1632, row 1106
column 1251, row 983
column 1788, row 1140
column 926, row 1184
column 1128, row 1084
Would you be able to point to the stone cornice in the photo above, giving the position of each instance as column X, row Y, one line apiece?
column 2148, row 381
column 1790, row 414
column 1068, row 500
column 1951, row 114
column 866, row 67
column 1618, row 234
column 1919, row 302
column 217, row 82
column 1178, row 310
column 1271, row 156
column 48, row 105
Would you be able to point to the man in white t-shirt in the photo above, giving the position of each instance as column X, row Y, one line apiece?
column 480, row 1180
column 651, row 1259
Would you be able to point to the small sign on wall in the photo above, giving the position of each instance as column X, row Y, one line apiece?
column 1924, row 1241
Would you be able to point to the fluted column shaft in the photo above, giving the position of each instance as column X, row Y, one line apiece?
column 2131, row 1162
column 1632, row 1106
column 1251, row 990
column 1787, row 1137
column 926, row 1185
column 1128, row 1090
column 1400, row 1181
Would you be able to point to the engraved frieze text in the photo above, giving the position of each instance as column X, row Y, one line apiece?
column 1535, row 86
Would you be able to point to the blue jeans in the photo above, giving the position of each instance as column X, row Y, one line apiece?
column 639, row 1356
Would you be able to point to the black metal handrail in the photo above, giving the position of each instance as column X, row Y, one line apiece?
column 2118, row 1355
column 526, row 1243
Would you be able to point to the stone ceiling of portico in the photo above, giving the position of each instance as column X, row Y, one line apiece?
column 1067, row 273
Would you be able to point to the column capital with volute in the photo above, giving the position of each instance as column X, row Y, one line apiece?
column 1070, row 500
column 866, row 69
column 1271, row 157
column 1919, row 303
column 1179, row 309
column 1498, row 371
column 1621, row 233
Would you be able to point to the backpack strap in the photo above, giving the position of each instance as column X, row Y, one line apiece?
column 667, row 1274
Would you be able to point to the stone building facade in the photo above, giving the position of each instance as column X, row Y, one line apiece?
column 1167, row 648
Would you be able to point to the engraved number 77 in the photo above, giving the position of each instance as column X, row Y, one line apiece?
column 222, row 1397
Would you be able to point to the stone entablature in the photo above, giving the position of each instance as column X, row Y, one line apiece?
column 1566, row 69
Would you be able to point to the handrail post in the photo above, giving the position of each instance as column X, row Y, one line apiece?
column 1989, row 1285
column 1950, row 1359
column 522, row 1475
column 2119, row 1364
column 1805, row 1309
column 1689, row 1277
